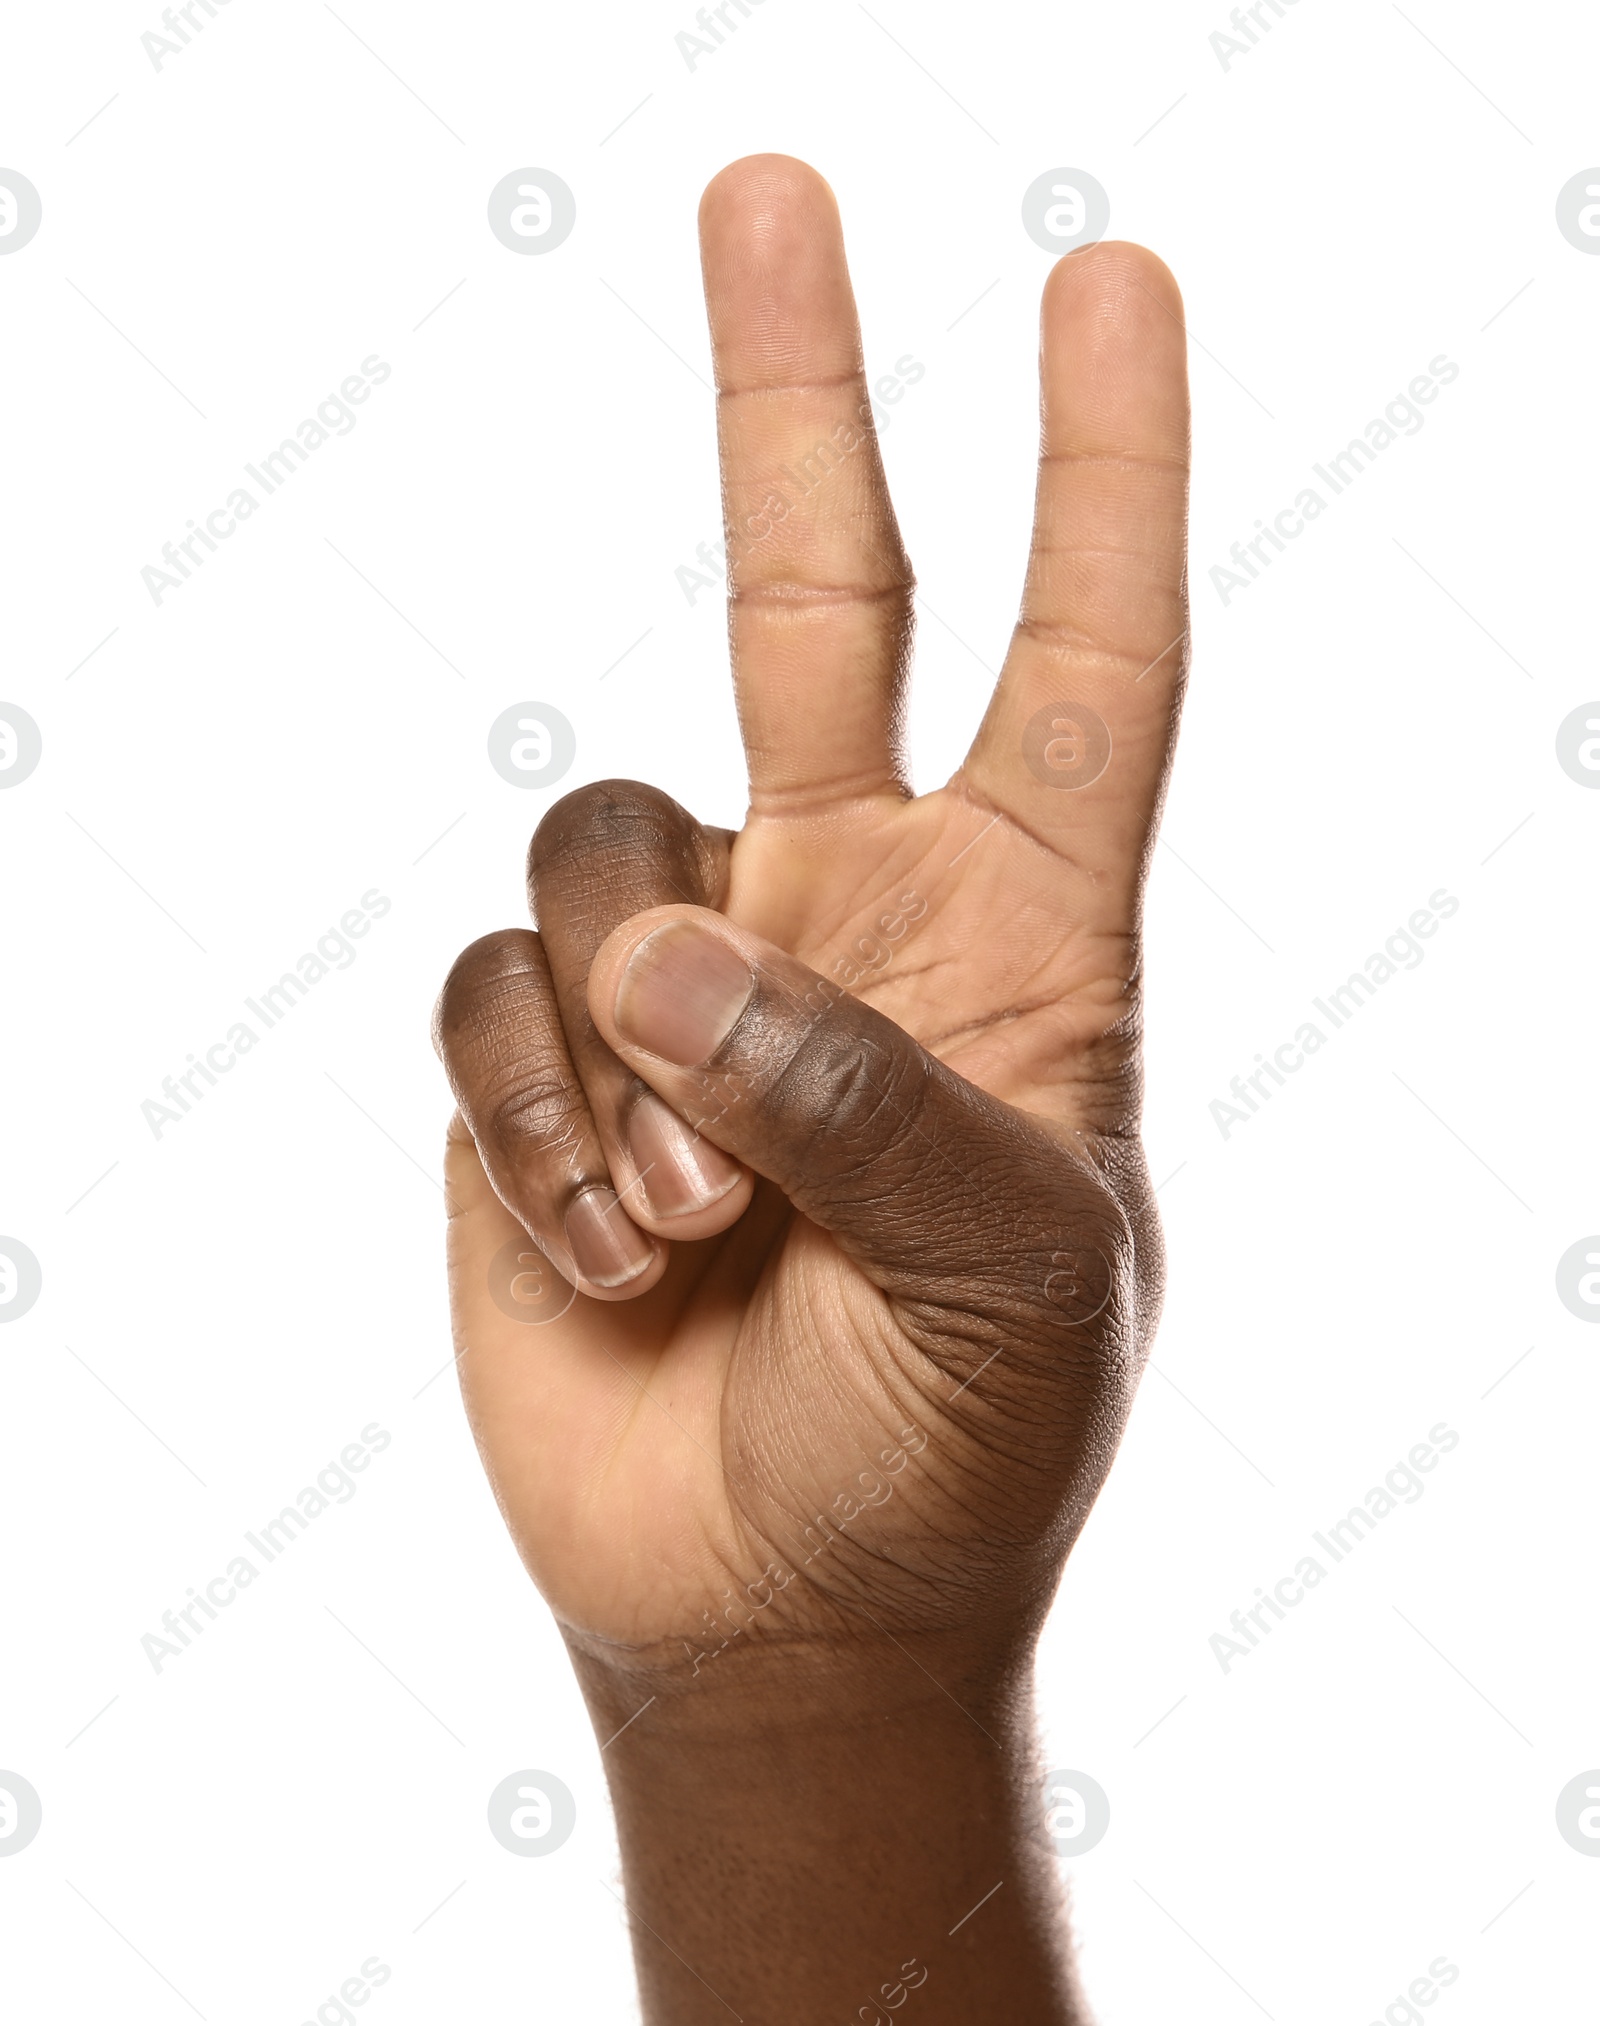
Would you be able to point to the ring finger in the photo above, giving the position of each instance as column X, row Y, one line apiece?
column 499, row 1033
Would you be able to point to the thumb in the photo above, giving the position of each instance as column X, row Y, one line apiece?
column 945, row 1197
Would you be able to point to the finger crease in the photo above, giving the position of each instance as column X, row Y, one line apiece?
column 1056, row 633
column 960, row 785
column 1116, row 460
column 789, row 591
column 796, row 387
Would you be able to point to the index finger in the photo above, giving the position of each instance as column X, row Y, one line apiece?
column 819, row 587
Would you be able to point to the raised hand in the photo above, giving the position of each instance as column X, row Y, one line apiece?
column 833, row 1123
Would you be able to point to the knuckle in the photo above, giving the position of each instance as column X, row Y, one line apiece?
column 535, row 1110
column 609, row 816
column 1079, row 1282
column 859, row 1104
column 480, row 981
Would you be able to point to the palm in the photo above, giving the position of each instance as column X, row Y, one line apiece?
column 1002, row 935
column 654, row 1454
column 681, row 1405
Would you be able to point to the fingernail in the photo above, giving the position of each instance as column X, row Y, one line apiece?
column 678, row 1171
column 681, row 992
column 606, row 1247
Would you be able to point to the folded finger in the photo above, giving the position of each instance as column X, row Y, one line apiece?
column 602, row 854
column 499, row 1033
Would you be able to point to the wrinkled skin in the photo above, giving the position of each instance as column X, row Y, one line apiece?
column 918, row 1308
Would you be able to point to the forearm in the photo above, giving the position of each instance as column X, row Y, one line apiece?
column 835, row 1838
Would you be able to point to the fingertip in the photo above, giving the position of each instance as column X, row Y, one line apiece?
column 626, row 1290
column 1113, row 356
column 777, row 283
column 619, row 817
column 608, row 1255
column 1115, row 272
column 682, row 1186
column 761, row 186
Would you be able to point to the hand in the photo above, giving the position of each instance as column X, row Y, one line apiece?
column 833, row 1123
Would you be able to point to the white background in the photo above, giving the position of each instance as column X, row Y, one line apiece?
column 227, row 773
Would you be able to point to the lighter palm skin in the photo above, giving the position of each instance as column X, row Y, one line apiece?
column 650, row 1455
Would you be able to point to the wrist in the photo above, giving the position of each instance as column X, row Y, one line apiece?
column 824, row 1823
column 747, row 1690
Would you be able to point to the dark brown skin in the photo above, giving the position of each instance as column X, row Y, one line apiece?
column 798, row 1465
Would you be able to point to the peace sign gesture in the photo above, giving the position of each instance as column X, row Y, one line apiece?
column 833, row 1123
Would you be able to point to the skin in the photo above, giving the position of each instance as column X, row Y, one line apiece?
column 797, row 1469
